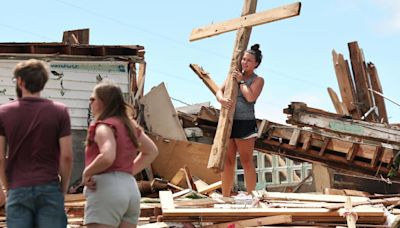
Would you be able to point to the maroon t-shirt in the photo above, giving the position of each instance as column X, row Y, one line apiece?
column 125, row 151
column 32, row 127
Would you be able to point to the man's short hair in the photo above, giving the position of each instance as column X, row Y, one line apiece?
column 34, row 73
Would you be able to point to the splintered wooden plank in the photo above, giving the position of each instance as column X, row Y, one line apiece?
column 247, row 20
column 189, row 178
column 360, row 79
column 339, row 106
column 376, row 86
column 346, row 84
column 221, row 139
column 205, row 77
column 270, row 220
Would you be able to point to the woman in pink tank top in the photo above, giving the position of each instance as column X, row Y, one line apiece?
column 112, row 159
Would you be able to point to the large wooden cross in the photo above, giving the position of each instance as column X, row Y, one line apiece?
column 243, row 25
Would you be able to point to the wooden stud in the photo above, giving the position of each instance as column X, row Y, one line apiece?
column 307, row 142
column 377, row 156
column 351, row 154
column 327, row 140
column 295, row 137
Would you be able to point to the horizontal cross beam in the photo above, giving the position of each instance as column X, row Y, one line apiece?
column 255, row 19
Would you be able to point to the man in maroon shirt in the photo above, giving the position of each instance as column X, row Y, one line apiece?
column 37, row 166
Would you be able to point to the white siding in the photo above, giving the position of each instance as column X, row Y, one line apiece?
column 74, row 87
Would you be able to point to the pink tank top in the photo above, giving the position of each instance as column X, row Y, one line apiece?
column 126, row 151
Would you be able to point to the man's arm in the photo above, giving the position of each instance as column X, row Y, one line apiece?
column 3, row 178
column 66, row 160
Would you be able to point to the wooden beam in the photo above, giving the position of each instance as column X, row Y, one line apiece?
column 205, row 77
column 270, row 220
column 221, row 139
column 211, row 187
column 321, row 177
column 339, row 106
column 327, row 140
column 247, row 20
column 79, row 36
column 301, row 115
column 361, row 79
column 295, row 137
column 376, row 86
column 307, row 142
column 141, row 79
column 346, row 84
column 352, row 152
column 339, row 144
column 178, row 177
column 377, row 156
column 189, row 178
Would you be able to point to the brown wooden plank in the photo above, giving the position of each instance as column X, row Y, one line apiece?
column 307, row 142
column 361, row 79
column 339, row 106
column 178, row 177
column 376, row 86
column 248, row 19
column 211, row 187
column 221, row 139
column 295, row 137
column 270, row 220
column 346, row 84
column 351, row 154
column 189, row 178
column 327, row 140
column 78, row 36
column 205, row 77
column 377, row 156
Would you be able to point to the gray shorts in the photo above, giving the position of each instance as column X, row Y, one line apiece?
column 116, row 199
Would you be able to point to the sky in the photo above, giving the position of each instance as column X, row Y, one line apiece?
column 297, row 63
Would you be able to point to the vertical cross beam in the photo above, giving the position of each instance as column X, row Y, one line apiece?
column 221, row 139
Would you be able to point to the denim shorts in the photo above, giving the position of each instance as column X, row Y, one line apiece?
column 36, row 206
column 116, row 199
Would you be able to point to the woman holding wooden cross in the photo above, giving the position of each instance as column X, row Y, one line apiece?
column 244, row 127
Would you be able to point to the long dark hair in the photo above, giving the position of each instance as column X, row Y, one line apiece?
column 114, row 105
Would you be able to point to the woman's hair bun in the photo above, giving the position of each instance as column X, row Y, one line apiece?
column 255, row 47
